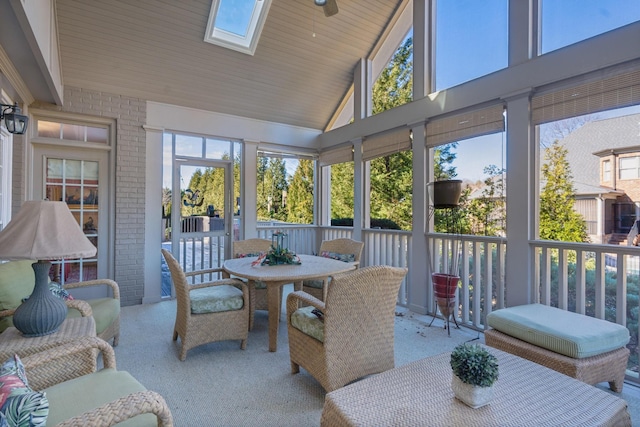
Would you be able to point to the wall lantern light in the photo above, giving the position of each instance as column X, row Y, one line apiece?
column 13, row 120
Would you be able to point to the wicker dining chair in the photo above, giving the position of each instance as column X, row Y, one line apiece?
column 352, row 334
column 210, row 311
column 257, row 290
column 347, row 250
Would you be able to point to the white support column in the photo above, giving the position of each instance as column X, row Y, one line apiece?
column 523, row 33
column 358, row 189
column 324, row 196
column 418, row 264
column 250, row 189
column 522, row 200
column 600, row 215
column 362, row 90
column 421, row 48
column 153, row 216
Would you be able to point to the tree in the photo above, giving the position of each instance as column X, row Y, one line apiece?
column 558, row 220
column 443, row 159
column 300, row 194
column 272, row 188
column 488, row 212
column 391, row 176
column 342, row 190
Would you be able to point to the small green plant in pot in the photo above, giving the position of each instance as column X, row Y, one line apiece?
column 475, row 370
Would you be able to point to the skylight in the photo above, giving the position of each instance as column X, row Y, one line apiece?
column 237, row 24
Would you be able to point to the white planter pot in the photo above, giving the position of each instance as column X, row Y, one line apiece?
column 471, row 395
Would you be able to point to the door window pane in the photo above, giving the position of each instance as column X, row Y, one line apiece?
column 76, row 182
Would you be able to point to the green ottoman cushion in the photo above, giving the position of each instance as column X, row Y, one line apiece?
column 71, row 398
column 571, row 334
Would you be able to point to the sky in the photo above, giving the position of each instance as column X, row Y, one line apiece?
column 465, row 55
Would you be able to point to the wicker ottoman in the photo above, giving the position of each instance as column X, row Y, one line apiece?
column 539, row 332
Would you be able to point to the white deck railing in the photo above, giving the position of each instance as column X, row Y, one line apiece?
column 585, row 278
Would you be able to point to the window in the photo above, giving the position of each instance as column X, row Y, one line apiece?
column 285, row 188
column 237, row 24
column 72, row 132
column 569, row 21
column 630, row 167
column 606, row 171
column 462, row 55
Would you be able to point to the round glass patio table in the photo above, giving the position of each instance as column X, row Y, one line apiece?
column 276, row 276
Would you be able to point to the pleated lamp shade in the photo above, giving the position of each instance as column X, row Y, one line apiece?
column 43, row 231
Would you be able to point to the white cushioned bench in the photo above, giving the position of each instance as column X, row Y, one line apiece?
column 589, row 349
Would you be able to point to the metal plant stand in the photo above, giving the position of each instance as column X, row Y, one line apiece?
column 445, row 284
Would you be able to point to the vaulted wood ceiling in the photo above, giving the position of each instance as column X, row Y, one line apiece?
column 154, row 50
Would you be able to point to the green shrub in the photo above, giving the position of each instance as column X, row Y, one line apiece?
column 474, row 365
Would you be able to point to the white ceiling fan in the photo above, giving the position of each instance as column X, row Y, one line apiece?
column 330, row 7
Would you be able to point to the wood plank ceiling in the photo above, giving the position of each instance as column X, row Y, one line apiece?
column 154, row 50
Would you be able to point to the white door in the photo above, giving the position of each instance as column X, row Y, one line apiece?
column 201, row 232
column 78, row 177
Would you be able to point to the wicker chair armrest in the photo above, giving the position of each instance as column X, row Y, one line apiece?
column 108, row 282
column 232, row 282
column 124, row 408
column 82, row 306
column 205, row 271
column 7, row 313
column 295, row 299
column 43, row 358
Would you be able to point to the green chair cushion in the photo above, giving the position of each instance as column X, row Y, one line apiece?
column 71, row 398
column 105, row 312
column 17, row 280
column 304, row 320
column 215, row 299
column 564, row 332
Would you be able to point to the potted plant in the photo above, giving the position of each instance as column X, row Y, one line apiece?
column 475, row 370
column 445, row 193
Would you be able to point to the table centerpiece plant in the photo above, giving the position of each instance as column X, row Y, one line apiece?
column 475, row 371
column 278, row 253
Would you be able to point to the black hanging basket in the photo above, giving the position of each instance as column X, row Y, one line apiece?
column 445, row 194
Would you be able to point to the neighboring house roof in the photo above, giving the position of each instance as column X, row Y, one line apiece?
column 594, row 137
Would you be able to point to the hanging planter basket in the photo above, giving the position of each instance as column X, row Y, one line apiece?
column 445, row 194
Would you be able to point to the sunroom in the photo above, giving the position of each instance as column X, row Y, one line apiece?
column 130, row 98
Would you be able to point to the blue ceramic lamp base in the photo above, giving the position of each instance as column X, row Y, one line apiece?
column 43, row 312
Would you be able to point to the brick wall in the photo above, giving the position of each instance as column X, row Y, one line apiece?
column 130, row 115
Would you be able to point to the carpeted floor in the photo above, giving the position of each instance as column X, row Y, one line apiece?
column 220, row 385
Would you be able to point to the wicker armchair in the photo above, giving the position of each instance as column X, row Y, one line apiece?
column 219, row 320
column 17, row 279
column 106, row 310
column 257, row 290
column 356, row 335
column 318, row 288
column 103, row 398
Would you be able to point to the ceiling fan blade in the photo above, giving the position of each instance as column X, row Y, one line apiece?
column 330, row 8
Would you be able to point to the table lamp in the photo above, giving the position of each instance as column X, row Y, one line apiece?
column 43, row 231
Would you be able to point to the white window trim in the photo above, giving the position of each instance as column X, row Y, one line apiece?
column 226, row 39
